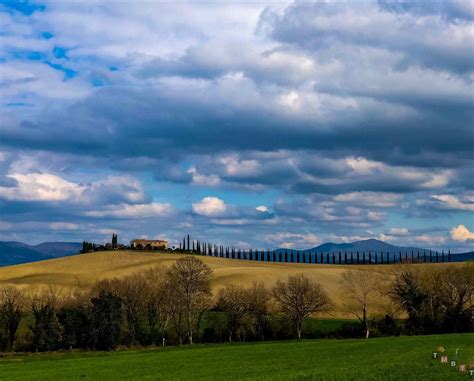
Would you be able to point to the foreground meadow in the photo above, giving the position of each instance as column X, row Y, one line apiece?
column 394, row 358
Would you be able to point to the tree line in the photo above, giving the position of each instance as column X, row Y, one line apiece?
column 308, row 256
column 162, row 306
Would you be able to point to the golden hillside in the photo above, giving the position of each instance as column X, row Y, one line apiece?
column 81, row 271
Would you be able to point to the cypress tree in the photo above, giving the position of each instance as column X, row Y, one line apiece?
column 449, row 255
column 352, row 259
column 345, row 257
column 358, row 261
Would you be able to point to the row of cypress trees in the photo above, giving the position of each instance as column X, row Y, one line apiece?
column 370, row 257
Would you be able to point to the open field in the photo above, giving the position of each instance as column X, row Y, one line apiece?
column 394, row 358
column 81, row 271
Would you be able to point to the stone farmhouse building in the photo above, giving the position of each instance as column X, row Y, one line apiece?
column 149, row 244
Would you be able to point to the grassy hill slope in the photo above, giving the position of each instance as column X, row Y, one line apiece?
column 392, row 358
column 81, row 271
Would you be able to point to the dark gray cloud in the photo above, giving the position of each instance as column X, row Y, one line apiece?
column 432, row 42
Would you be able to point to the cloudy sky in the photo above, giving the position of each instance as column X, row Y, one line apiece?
column 261, row 124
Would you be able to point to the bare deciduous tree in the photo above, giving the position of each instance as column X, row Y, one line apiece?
column 11, row 311
column 456, row 289
column 189, row 279
column 45, row 329
column 258, row 302
column 158, row 302
column 232, row 301
column 298, row 298
column 132, row 291
column 360, row 289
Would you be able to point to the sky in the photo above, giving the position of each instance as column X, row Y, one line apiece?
column 253, row 124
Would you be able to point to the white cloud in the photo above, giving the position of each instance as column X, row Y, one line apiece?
column 430, row 239
column 385, row 237
column 378, row 199
column 398, row 231
column 233, row 166
column 209, row 207
column 133, row 211
column 41, row 187
column 293, row 240
column 49, row 187
column 346, row 239
column 452, row 202
column 262, row 208
column 461, row 233
column 201, row 179
column 63, row 226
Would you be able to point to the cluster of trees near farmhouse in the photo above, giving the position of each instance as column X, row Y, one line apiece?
column 176, row 306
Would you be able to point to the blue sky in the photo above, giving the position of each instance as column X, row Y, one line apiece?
column 252, row 124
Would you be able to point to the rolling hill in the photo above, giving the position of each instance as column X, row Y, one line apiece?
column 82, row 271
column 12, row 253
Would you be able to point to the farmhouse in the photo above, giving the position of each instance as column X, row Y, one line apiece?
column 149, row 244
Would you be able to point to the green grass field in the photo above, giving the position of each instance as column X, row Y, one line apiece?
column 394, row 358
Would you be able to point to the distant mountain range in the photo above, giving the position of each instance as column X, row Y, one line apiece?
column 373, row 245
column 13, row 253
